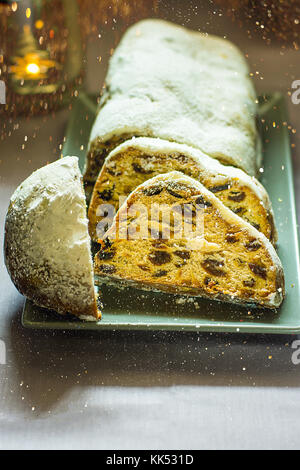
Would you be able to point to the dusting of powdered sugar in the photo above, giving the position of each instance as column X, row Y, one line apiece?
column 47, row 245
column 155, row 87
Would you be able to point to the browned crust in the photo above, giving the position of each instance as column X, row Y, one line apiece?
column 30, row 288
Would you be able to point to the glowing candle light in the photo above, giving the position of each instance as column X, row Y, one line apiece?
column 33, row 69
column 32, row 66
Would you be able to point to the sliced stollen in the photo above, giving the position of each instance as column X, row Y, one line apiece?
column 47, row 245
column 222, row 258
column 140, row 159
column 180, row 85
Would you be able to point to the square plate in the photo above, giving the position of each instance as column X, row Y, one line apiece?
column 132, row 309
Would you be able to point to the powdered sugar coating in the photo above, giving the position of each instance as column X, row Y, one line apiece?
column 47, row 246
column 183, row 86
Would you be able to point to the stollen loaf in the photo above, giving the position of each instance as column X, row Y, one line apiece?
column 179, row 85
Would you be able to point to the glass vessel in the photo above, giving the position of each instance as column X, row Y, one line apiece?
column 40, row 54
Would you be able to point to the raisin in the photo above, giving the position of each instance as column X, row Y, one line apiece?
column 107, row 268
column 239, row 210
column 173, row 193
column 249, row 283
column 106, row 194
column 212, row 266
column 139, row 169
column 160, row 273
column 207, row 280
column 217, row 189
column 154, row 191
column 231, row 238
column 106, row 255
column 183, row 254
column 159, row 257
column 237, row 196
column 253, row 245
column 258, row 270
column 202, row 202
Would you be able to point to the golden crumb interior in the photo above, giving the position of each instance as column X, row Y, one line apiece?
column 96, row 156
column 122, row 173
column 220, row 258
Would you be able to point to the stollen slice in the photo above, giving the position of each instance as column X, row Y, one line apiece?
column 174, row 235
column 140, row 159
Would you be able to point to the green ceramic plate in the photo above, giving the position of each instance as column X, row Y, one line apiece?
column 132, row 309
